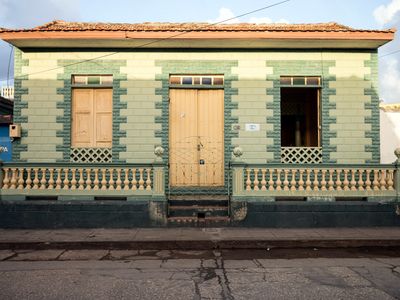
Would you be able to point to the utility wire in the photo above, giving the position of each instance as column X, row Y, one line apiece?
column 390, row 53
column 156, row 41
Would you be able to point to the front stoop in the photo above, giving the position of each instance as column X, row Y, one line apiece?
column 198, row 210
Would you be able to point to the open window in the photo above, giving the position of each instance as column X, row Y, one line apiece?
column 300, row 119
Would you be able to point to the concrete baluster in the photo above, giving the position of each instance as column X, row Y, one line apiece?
column 118, row 182
column 256, row 182
column 285, row 180
column 278, row 180
column 21, row 179
column 13, row 181
column 293, row 180
column 330, row 182
column 390, row 182
column 6, row 180
column 323, row 180
column 43, row 179
column 346, row 181
column 248, row 181
column 36, row 179
column 58, row 180
column 81, row 181
column 367, row 180
column 301, row 181
column 96, row 179
column 375, row 181
column 308, row 180
column 271, row 180
column 51, row 179
column 28, row 179
column 315, row 182
column 103, row 179
column 338, row 180
column 66, row 180
column 360, row 180
column 88, row 182
column 111, row 181
column 263, row 181
column 141, row 181
column 134, row 181
column 382, row 182
column 126, row 179
column 148, row 180
column 73, row 179
column 353, row 180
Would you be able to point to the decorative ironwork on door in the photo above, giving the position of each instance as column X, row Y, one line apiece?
column 197, row 161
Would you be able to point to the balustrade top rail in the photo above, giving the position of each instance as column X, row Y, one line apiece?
column 79, row 165
column 313, row 166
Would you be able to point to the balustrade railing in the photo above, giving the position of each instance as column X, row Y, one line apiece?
column 7, row 92
column 328, row 180
column 66, row 178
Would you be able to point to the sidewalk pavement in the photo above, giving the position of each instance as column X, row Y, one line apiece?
column 199, row 238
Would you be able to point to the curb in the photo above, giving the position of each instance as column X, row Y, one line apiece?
column 204, row 244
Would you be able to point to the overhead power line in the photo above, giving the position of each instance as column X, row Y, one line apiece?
column 390, row 53
column 153, row 42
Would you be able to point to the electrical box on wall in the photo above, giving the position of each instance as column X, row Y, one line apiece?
column 15, row 131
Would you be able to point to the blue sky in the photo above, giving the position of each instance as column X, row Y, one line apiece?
column 371, row 14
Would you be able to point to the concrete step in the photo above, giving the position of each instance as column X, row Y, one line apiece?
column 213, row 221
column 198, row 211
column 191, row 202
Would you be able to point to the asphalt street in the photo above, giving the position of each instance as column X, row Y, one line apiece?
column 151, row 274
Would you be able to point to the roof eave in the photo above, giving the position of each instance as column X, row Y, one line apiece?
column 47, row 38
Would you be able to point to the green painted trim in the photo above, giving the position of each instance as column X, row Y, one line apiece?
column 98, row 67
column 18, row 118
column 301, row 68
column 202, row 67
column 373, row 106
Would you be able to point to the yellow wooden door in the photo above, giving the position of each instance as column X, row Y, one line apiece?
column 196, row 137
column 211, row 137
column 91, row 118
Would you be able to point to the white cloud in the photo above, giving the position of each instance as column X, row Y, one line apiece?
column 386, row 13
column 262, row 20
column 225, row 14
column 390, row 79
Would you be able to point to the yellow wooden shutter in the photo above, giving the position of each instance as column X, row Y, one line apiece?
column 103, row 117
column 82, row 118
column 91, row 118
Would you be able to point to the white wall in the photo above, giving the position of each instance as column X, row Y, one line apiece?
column 390, row 135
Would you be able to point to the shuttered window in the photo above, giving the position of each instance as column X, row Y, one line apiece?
column 91, row 118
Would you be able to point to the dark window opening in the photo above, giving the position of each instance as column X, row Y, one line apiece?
column 300, row 117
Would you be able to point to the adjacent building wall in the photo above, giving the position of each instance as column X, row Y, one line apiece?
column 350, row 128
column 390, row 132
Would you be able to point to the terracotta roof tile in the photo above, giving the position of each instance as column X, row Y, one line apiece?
column 84, row 26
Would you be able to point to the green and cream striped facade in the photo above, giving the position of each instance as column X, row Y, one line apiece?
column 350, row 113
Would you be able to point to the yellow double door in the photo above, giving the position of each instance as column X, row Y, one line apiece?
column 196, row 138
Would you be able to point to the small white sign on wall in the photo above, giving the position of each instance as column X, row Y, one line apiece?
column 252, row 127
